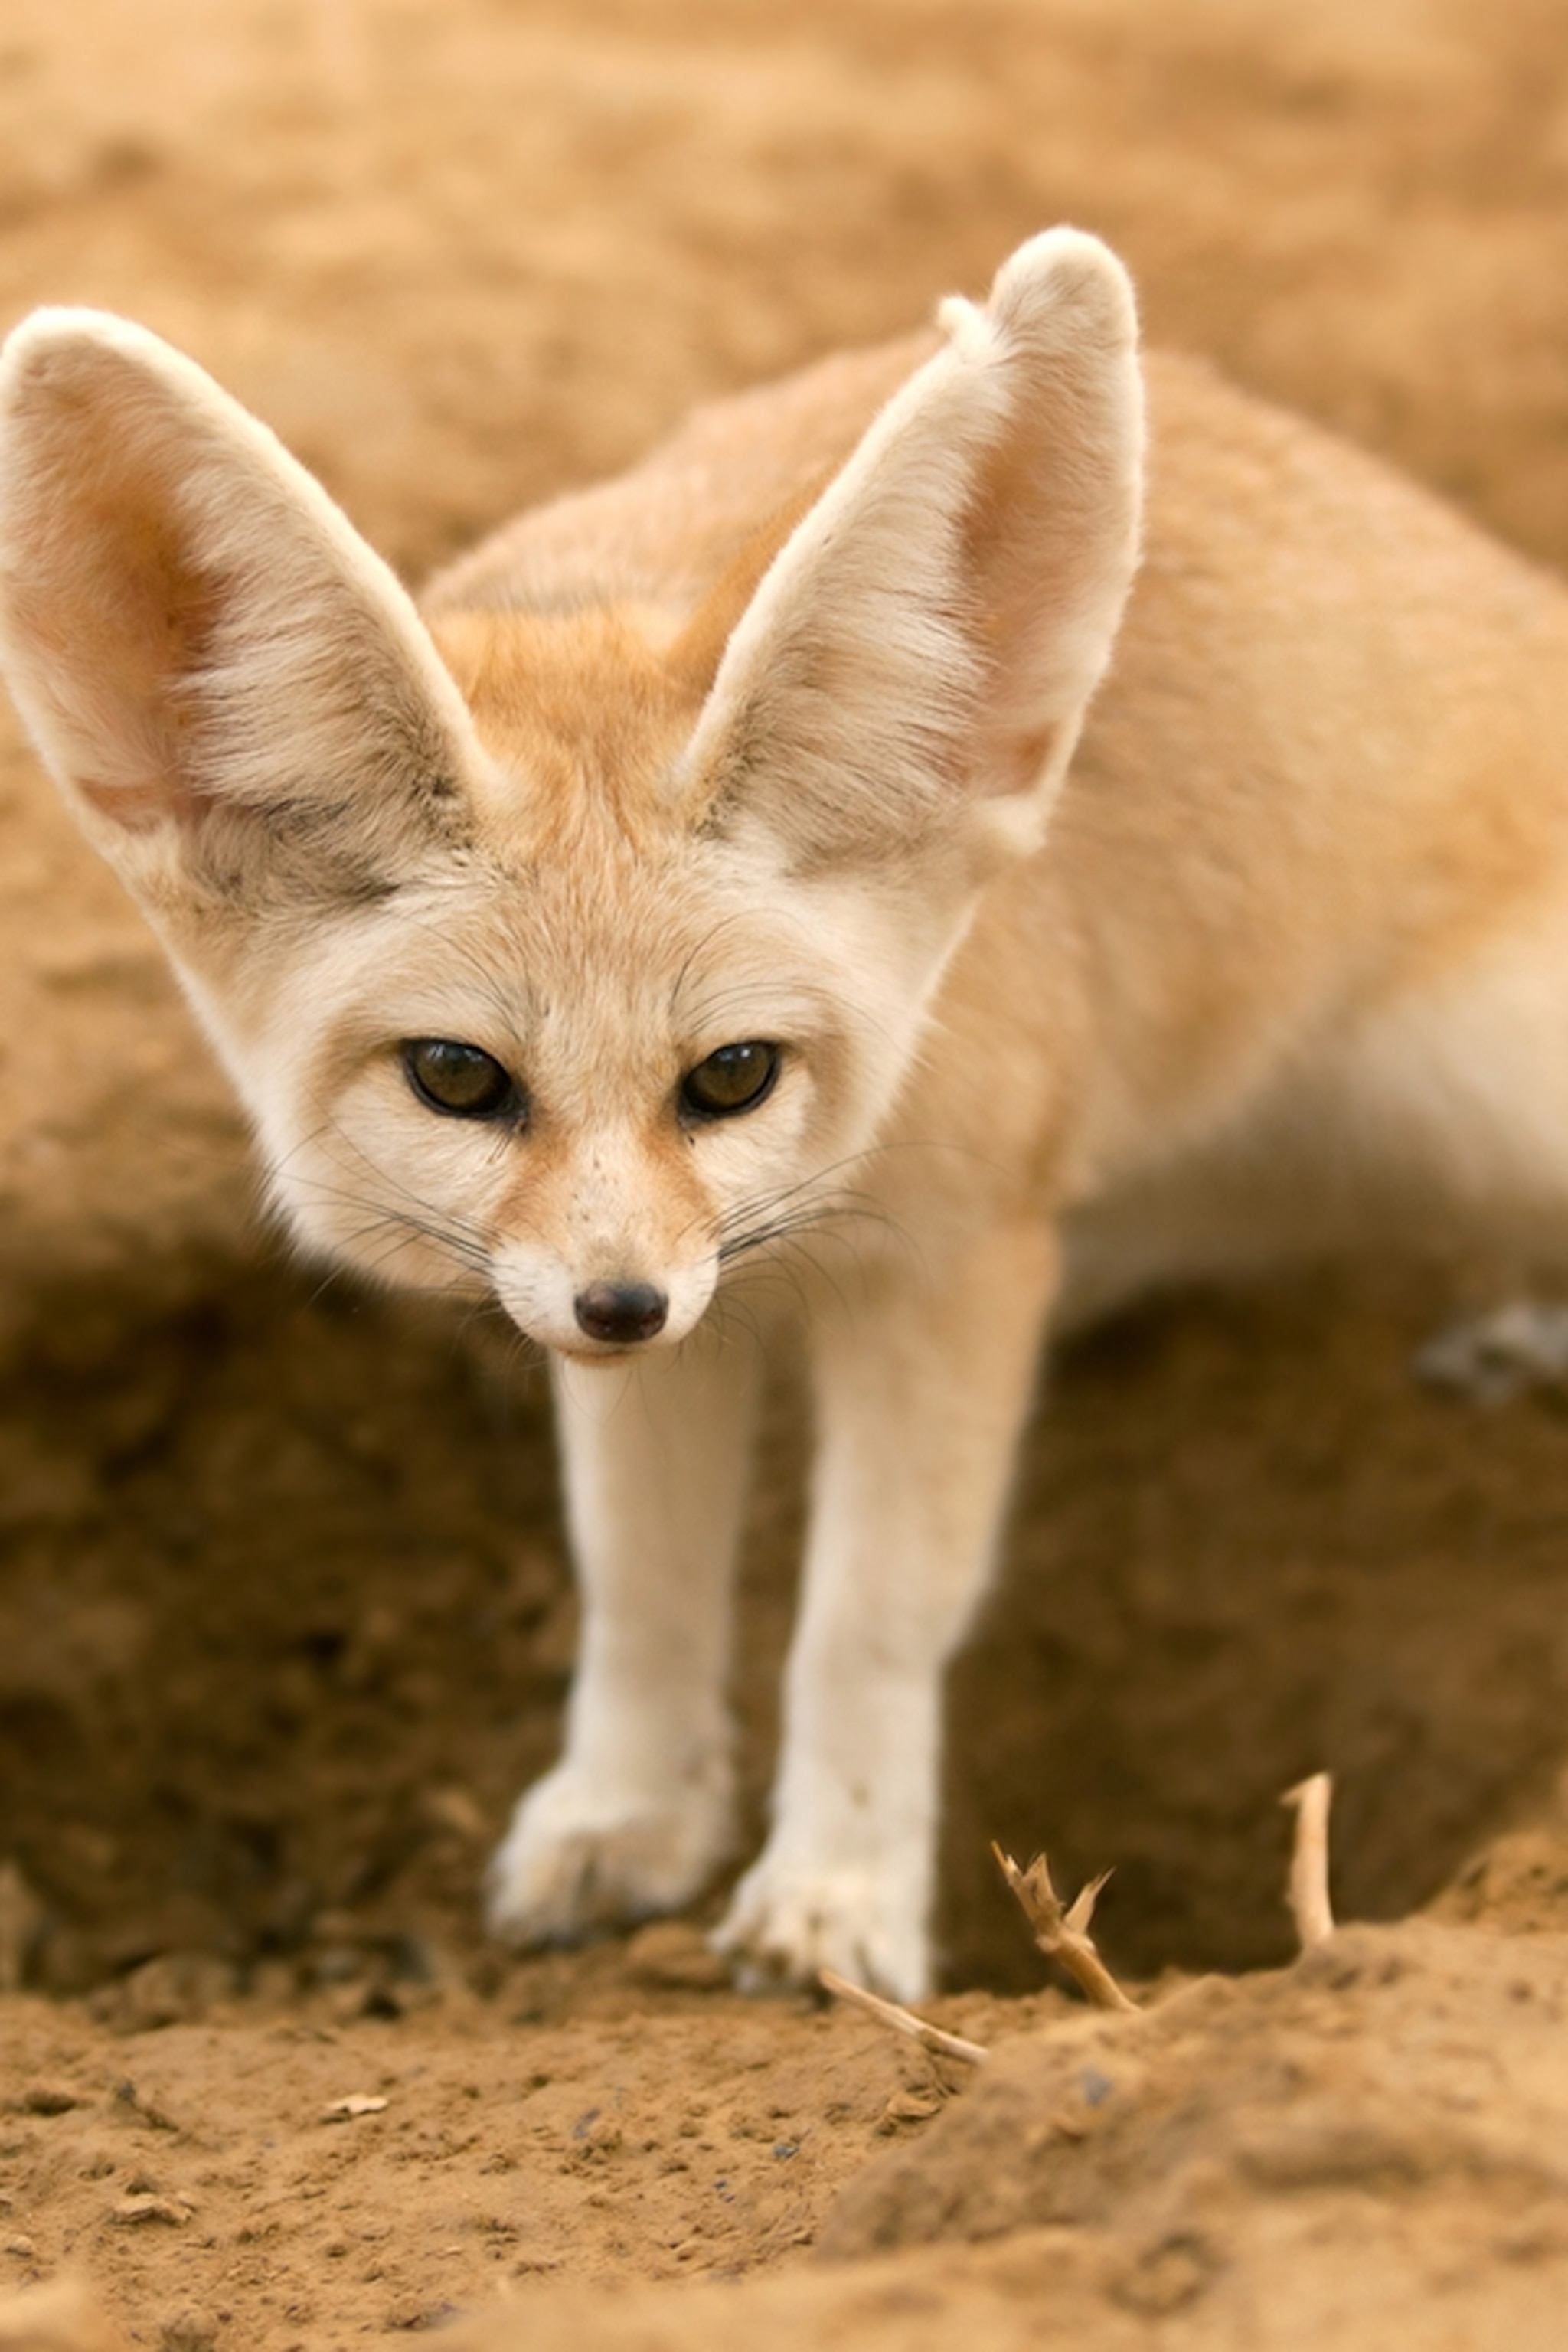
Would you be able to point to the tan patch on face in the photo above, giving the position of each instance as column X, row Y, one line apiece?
column 621, row 1209
column 588, row 710
column 581, row 709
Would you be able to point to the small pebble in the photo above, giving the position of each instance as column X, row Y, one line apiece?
column 188, row 2331
column 48, row 2099
column 132, row 2211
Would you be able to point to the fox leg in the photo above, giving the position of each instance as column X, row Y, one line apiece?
column 921, row 1401
column 639, row 1809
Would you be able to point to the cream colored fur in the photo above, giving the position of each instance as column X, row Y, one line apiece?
column 777, row 739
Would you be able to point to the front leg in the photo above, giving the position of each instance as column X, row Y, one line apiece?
column 922, row 1398
column 639, row 1811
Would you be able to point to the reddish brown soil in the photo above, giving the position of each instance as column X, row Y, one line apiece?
column 284, row 1618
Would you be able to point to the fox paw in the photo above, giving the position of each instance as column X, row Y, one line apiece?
column 579, row 1858
column 786, row 1922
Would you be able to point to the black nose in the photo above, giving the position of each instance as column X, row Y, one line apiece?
column 621, row 1310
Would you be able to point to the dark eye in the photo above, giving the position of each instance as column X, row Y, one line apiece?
column 462, row 1081
column 735, row 1078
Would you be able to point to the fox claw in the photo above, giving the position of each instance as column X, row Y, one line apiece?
column 576, row 1861
column 783, row 1926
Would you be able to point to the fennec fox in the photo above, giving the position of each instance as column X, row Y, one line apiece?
column 707, row 910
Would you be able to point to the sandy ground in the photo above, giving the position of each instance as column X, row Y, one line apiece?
column 284, row 1617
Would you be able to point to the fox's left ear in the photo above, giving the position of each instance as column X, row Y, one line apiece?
column 235, row 694
column 919, row 656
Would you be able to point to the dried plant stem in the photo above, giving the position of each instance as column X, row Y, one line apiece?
column 902, row 2021
column 1063, row 1934
column 1308, row 1889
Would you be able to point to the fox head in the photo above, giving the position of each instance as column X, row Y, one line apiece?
column 573, row 957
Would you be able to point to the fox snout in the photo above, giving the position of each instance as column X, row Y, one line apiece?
column 582, row 1315
column 584, row 1296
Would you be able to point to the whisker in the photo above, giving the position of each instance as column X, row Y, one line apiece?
column 401, row 1220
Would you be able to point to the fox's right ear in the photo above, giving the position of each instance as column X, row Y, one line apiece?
column 235, row 694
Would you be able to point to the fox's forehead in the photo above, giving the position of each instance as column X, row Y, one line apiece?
column 568, row 950
column 595, row 934
column 596, row 907
column 583, row 715
column 608, row 931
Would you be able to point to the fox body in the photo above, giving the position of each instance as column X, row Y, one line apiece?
column 732, row 899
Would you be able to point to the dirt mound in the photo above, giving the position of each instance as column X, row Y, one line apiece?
column 1327, row 2079
column 1369, row 2149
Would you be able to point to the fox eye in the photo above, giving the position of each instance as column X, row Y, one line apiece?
column 734, row 1078
column 462, row 1081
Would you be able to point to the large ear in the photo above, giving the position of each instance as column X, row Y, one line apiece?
column 236, row 695
column 922, row 652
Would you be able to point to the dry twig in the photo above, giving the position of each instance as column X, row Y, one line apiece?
column 902, row 2021
column 1308, row 1889
column 1063, row 1934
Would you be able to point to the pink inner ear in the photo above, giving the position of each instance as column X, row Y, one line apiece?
column 145, row 616
column 140, row 807
column 1016, row 761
